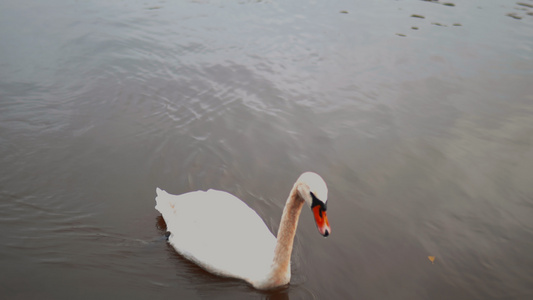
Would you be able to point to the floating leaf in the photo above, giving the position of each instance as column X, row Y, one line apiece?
column 525, row 4
column 514, row 16
column 432, row 259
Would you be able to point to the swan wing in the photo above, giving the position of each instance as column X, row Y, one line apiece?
column 219, row 232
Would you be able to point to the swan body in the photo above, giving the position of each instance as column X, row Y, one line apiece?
column 226, row 237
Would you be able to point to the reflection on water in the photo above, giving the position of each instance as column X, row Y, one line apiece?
column 424, row 136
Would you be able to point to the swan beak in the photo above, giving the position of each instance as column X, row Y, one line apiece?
column 321, row 220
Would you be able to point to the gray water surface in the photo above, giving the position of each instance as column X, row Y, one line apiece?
column 422, row 128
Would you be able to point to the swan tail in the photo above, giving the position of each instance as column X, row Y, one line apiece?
column 164, row 203
column 167, row 205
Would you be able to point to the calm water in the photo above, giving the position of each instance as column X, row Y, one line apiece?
column 422, row 128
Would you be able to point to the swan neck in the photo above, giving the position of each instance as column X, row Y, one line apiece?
column 281, row 266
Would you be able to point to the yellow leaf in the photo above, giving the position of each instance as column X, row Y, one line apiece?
column 432, row 258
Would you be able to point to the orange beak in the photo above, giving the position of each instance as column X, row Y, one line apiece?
column 321, row 220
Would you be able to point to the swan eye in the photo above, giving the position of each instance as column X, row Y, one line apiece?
column 316, row 201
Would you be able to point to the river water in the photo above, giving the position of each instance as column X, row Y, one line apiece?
column 418, row 115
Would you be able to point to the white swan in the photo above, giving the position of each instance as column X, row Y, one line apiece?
column 226, row 237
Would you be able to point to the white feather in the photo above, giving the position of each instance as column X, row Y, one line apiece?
column 205, row 230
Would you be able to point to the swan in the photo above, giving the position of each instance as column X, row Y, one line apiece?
column 223, row 235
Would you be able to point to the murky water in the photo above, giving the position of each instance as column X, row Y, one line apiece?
column 418, row 115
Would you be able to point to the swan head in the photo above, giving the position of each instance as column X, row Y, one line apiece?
column 313, row 189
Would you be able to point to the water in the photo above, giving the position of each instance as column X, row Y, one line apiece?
column 424, row 136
